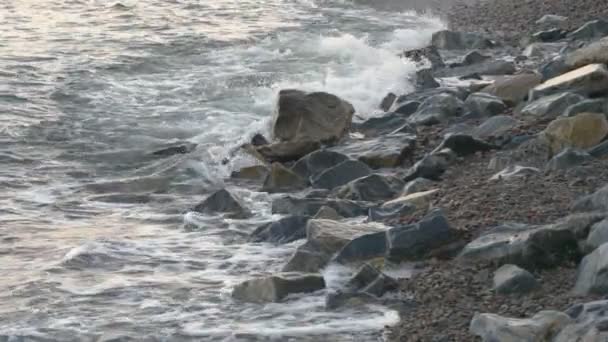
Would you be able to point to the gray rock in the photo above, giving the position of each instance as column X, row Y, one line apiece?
column 418, row 185
column 459, row 92
column 589, row 80
column 551, row 20
column 589, row 323
column 543, row 50
column 550, row 107
column 381, row 125
column 513, row 89
column 414, row 241
column 275, row 288
column 553, row 68
column 316, row 162
column 592, row 273
column 287, row 151
column 282, row 179
column 381, row 152
column 317, row 116
column 437, row 109
column 600, row 150
column 484, row 104
column 510, row 279
column 429, row 53
column 430, row 166
column 223, row 202
column 310, row 206
column 371, row 188
column 407, row 108
column 425, row 79
column 363, row 248
column 598, row 235
column 596, row 52
column 550, row 35
column 451, row 40
column 495, row 126
column 254, row 172
column 487, row 68
column 285, row 230
column 328, row 213
column 463, row 145
column 390, row 212
column 590, row 30
column 531, row 151
column 587, row 106
column 474, row 57
column 597, row 201
column 387, row 102
column 340, row 174
column 568, row 158
column 495, row 328
column 367, row 282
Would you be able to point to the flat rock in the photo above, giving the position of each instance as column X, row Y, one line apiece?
column 275, row 288
column 513, row 89
column 582, row 131
column 381, row 125
column 317, row 116
column 494, row 328
column 549, row 107
column 451, row 40
column 589, row 80
column 382, row 152
column 484, row 104
column 370, row 188
column 285, row 230
column 286, row 151
column 282, row 179
column 223, row 202
column 310, row 206
column 437, row 109
column 509, row 279
column 591, row 277
column 340, row 174
column 180, row 148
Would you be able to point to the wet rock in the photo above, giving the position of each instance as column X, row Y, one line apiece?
column 255, row 172
column 589, row 80
column 582, row 131
column 224, row 202
column 484, row 104
column 589, row 323
column 370, row 188
column 414, row 241
column 599, row 150
column 418, row 185
column 317, row 117
column 598, row 235
column 587, row 106
column 493, row 328
column 437, row 109
column 549, row 107
column 488, row 68
column 287, row 151
column 431, row 166
column 495, row 126
column 275, row 288
column 542, row 50
column 510, row 279
column 463, row 145
column 310, row 206
column 513, row 89
column 340, row 174
column 553, row 68
column 381, row 125
column 367, row 282
column 425, row 79
column 533, row 151
column 381, row 152
column 328, row 213
column 282, row 179
column 307, row 258
column 182, row 148
column 459, row 92
column 407, row 108
column 514, row 172
column 389, row 212
column 593, row 53
column 551, row 20
column 387, row 102
column 285, row 230
column 591, row 277
column 429, row 53
column 590, row 30
column 451, row 40
column 567, row 159
column 316, row 162
column 259, row 140
column 363, row 248
column 474, row 57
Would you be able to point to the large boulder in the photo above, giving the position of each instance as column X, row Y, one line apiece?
column 317, row 116
column 289, row 205
column 495, row 328
column 589, row 80
column 437, row 109
column 381, row 152
column 282, row 179
column 582, row 131
column 590, row 30
column 593, row 53
column 285, row 230
column 371, row 188
column 463, row 144
column 316, row 162
column 340, row 174
column 414, row 241
column 276, row 287
column 549, row 107
column 513, row 89
column 592, row 273
column 452, row 40
column 223, row 202
column 510, row 279
column 286, row 151
column 589, row 323
column 484, row 104
column 495, row 126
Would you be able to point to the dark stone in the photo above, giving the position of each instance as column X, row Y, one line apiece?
column 488, row 68
column 371, row 188
column 567, row 159
column 430, row 167
column 255, row 172
column 485, row 104
column 473, row 76
column 176, row 149
column 591, row 276
column 548, row 35
column 285, row 230
column 366, row 247
column 282, row 179
column 275, row 288
column 381, row 125
column 289, row 205
column 414, row 241
column 407, row 108
column 550, row 107
column 461, row 93
column 437, row 109
column 495, row 126
column 425, row 79
column 429, row 53
column 316, row 162
column 474, row 57
column 390, row 212
column 590, row 30
column 382, row 152
column 259, row 140
column 287, row 151
column 464, row 144
column 387, row 102
column 223, row 201
column 599, row 151
column 553, row 68
column 340, row 174
column 451, row 40
column 510, row 279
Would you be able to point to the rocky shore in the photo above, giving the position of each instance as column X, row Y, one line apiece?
column 488, row 183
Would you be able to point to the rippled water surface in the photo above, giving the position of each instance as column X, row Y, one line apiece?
column 96, row 239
